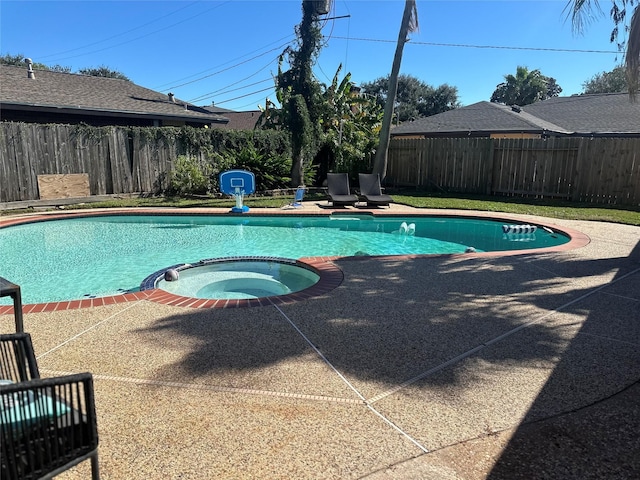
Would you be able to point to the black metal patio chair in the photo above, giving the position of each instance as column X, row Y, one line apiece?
column 338, row 190
column 371, row 191
column 46, row 425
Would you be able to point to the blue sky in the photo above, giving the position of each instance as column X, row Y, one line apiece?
column 226, row 51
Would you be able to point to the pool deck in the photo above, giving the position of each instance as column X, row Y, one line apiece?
column 437, row 367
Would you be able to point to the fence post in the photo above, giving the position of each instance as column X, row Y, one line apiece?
column 490, row 142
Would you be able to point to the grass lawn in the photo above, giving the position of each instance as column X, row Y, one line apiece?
column 546, row 208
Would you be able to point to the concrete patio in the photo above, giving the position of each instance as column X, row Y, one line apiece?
column 444, row 367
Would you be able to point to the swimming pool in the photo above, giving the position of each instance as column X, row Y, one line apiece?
column 101, row 255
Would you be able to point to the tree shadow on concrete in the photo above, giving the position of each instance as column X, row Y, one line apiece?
column 597, row 440
column 391, row 320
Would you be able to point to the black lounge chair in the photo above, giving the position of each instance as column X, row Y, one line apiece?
column 371, row 192
column 339, row 193
column 46, row 425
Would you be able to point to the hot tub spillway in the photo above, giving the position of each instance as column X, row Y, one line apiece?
column 235, row 278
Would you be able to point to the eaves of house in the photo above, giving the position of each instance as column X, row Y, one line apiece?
column 56, row 97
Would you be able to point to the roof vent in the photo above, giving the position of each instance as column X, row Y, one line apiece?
column 516, row 108
column 172, row 97
column 30, row 72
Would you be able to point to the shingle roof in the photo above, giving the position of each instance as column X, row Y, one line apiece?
column 90, row 94
column 237, row 120
column 579, row 114
column 599, row 113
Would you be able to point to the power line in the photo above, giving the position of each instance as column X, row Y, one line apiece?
column 499, row 47
column 286, row 37
column 117, row 35
column 142, row 36
column 456, row 45
column 244, row 96
column 250, row 104
column 210, row 94
column 225, row 69
column 222, row 91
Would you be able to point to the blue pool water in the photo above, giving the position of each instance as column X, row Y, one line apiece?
column 239, row 279
column 77, row 258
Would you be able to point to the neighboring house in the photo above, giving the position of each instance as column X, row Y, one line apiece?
column 237, row 120
column 595, row 115
column 44, row 96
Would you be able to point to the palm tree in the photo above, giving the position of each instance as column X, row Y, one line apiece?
column 525, row 87
column 409, row 24
column 580, row 10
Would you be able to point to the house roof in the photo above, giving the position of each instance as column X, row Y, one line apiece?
column 237, row 120
column 596, row 113
column 582, row 115
column 89, row 95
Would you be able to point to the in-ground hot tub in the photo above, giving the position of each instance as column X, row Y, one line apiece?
column 234, row 278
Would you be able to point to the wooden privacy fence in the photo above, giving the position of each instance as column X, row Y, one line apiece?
column 121, row 161
column 116, row 160
column 594, row 170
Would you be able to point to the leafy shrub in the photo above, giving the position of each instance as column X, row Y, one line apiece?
column 189, row 177
column 204, row 153
column 271, row 170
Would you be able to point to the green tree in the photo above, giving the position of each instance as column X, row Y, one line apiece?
column 299, row 91
column 525, row 87
column 581, row 11
column 103, row 71
column 20, row 60
column 409, row 24
column 614, row 81
column 350, row 124
column 347, row 128
column 414, row 97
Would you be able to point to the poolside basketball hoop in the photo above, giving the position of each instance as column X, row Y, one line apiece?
column 238, row 183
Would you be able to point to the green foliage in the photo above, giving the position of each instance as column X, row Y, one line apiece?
column 351, row 125
column 414, row 98
column 189, row 177
column 614, row 81
column 304, row 142
column 103, row 71
column 19, row 61
column 525, row 88
column 344, row 135
column 271, row 170
column 90, row 132
column 264, row 153
column 218, row 163
column 298, row 92
column 202, row 154
column 271, row 141
column 15, row 60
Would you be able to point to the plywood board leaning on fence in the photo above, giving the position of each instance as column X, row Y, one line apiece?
column 53, row 187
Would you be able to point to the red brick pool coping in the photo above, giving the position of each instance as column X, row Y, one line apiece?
column 330, row 274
